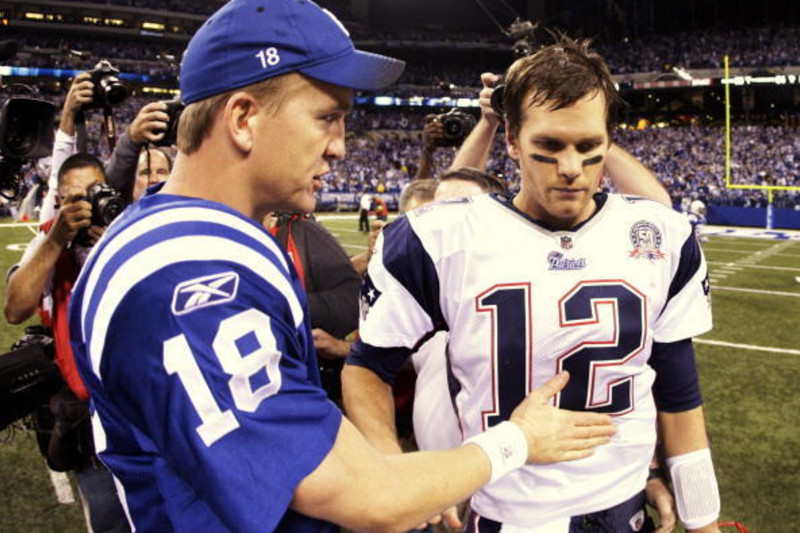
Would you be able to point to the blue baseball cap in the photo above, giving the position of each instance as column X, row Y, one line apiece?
column 247, row 41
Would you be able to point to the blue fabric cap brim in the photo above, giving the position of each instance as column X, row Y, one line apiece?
column 358, row 70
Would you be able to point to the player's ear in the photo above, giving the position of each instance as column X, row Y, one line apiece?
column 512, row 146
column 239, row 118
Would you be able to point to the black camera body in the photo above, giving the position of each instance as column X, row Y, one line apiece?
column 107, row 203
column 108, row 90
column 28, row 375
column 456, row 125
column 174, row 110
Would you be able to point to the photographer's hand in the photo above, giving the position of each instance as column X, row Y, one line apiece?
column 95, row 232
column 74, row 214
column 26, row 284
column 474, row 151
column 488, row 80
column 150, row 123
column 80, row 93
column 432, row 132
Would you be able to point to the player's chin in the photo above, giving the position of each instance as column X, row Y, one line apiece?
column 307, row 202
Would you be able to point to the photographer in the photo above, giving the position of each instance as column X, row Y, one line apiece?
column 79, row 95
column 44, row 279
column 129, row 162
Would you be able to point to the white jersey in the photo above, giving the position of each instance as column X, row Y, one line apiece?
column 521, row 303
column 436, row 426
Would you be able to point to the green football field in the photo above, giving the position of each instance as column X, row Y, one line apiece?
column 749, row 368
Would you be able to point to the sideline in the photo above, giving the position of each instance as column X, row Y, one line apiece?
column 754, row 291
column 746, row 346
column 753, row 233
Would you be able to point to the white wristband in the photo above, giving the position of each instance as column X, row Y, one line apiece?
column 696, row 491
column 506, row 447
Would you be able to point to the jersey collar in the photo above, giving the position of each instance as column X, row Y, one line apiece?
column 600, row 199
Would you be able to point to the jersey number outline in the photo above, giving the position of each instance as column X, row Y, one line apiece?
column 179, row 359
column 590, row 363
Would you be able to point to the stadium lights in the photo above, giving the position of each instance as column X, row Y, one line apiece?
column 417, row 101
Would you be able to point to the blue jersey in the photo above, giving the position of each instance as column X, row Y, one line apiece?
column 189, row 329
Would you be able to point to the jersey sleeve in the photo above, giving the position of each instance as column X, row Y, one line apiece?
column 217, row 372
column 400, row 304
column 687, row 312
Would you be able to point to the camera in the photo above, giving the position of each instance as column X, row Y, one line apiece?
column 174, row 110
column 456, row 125
column 28, row 375
column 108, row 90
column 107, row 203
column 523, row 33
column 26, row 132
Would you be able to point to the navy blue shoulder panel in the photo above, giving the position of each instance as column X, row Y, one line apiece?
column 406, row 260
column 385, row 362
column 687, row 267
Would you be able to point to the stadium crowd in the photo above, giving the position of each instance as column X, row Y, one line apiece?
column 384, row 147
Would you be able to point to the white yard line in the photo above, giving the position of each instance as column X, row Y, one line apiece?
column 755, row 291
column 19, row 224
column 762, row 267
column 746, row 346
column 728, row 250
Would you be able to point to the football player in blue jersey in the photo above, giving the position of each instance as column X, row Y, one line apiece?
column 609, row 287
column 190, row 325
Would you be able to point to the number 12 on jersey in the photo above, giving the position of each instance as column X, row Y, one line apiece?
column 592, row 364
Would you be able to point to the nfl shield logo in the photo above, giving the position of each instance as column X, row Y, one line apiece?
column 566, row 242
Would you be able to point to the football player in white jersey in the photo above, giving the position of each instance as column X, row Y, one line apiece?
column 190, row 326
column 611, row 288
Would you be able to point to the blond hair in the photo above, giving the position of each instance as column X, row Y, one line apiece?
column 197, row 118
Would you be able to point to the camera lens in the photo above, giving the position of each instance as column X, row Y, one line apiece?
column 115, row 91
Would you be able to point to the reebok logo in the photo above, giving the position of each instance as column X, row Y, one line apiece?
column 204, row 292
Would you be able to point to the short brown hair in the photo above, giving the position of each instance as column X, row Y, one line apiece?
column 560, row 74
column 422, row 190
column 487, row 182
column 198, row 117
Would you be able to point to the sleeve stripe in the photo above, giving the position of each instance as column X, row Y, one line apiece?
column 406, row 259
column 165, row 253
column 157, row 220
column 691, row 259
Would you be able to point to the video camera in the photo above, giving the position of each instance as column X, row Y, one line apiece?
column 174, row 110
column 107, row 203
column 26, row 132
column 456, row 126
column 108, row 90
column 28, row 375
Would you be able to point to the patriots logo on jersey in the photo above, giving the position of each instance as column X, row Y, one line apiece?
column 205, row 291
column 369, row 294
column 557, row 261
column 646, row 240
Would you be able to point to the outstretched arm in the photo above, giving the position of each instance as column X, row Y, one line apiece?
column 358, row 487
column 631, row 177
column 474, row 151
column 431, row 132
